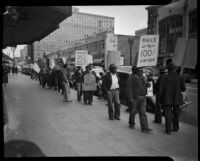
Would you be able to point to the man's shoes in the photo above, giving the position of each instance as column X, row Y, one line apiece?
column 131, row 126
column 175, row 130
column 90, row 103
column 157, row 122
column 117, row 118
column 147, row 130
column 111, row 118
column 168, row 132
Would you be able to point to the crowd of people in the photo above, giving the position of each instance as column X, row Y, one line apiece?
column 168, row 91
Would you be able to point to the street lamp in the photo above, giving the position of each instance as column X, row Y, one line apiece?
column 131, row 41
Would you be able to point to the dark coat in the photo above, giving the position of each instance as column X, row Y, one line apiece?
column 107, row 81
column 136, row 86
column 78, row 76
column 170, row 87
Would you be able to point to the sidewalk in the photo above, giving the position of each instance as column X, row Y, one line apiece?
column 74, row 129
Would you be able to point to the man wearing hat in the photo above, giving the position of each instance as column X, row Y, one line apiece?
column 136, row 92
column 157, row 110
column 111, row 85
column 169, row 96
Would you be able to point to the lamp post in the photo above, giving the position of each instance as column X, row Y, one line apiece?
column 131, row 41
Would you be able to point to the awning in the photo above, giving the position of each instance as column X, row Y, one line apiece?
column 185, row 53
column 32, row 23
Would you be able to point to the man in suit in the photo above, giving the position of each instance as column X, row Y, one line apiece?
column 157, row 110
column 111, row 85
column 169, row 95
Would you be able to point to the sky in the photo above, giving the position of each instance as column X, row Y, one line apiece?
column 128, row 18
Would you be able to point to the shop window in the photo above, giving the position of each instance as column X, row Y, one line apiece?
column 170, row 29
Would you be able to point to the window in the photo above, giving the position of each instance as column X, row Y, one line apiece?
column 169, row 30
column 193, row 24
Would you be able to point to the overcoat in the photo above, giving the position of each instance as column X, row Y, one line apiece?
column 170, row 87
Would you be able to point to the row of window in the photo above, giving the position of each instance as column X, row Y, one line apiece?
column 171, row 28
column 89, row 20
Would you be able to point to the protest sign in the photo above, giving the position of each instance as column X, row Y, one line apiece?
column 89, row 82
column 148, row 50
column 81, row 57
column 36, row 67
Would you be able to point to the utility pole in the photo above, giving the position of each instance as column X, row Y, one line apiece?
column 131, row 41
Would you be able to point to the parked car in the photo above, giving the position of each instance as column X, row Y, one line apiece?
column 97, row 70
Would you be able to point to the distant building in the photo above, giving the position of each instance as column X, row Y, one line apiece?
column 141, row 32
column 78, row 26
column 24, row 53
column 97, row 46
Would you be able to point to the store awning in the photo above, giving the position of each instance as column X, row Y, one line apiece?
column 185, row 53
column 24, row 25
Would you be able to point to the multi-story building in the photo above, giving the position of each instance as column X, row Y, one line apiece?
column 175, row 20
column 98, row 46
column 78, row 26
column 24, row 53
column 141, row 32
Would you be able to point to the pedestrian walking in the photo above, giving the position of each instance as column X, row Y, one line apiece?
column 78, row 76
column 111, row 85
column 100, row 85
column 170, row 97
column 136, row 92
column 13, row 70
column 16, row 70
column 65, row 84
column 158, row 107
column 5, row 75
column 89, row 85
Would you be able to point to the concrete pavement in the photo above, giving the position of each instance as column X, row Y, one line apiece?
column 74, row 129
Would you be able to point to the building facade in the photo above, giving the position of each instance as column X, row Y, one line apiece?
column 177, row 19
column 78, row 26
column 141, row 32
column 98, row 46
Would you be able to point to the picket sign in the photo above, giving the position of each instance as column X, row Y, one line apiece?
column 148, row 55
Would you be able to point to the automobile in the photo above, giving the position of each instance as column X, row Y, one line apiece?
column 97, row 70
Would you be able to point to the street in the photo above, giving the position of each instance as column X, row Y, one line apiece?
column 72, row 129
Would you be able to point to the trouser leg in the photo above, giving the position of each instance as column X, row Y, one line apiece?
column 68, row 92
column 90, row 97
column 85, row 97
column 116, row 103
column 168, row 118
column 142, row 112
column 110, row 104
column 158, row 113
column 175, row 118
column 78, row 88
column 64, row 92
column 133, row 111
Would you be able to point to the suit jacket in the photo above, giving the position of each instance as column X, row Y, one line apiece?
column 170, row 87
column 107, row 81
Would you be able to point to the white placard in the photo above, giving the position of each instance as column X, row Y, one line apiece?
column 81, row 57
column 150, row 90
column 36, row 68
column 148, row 50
